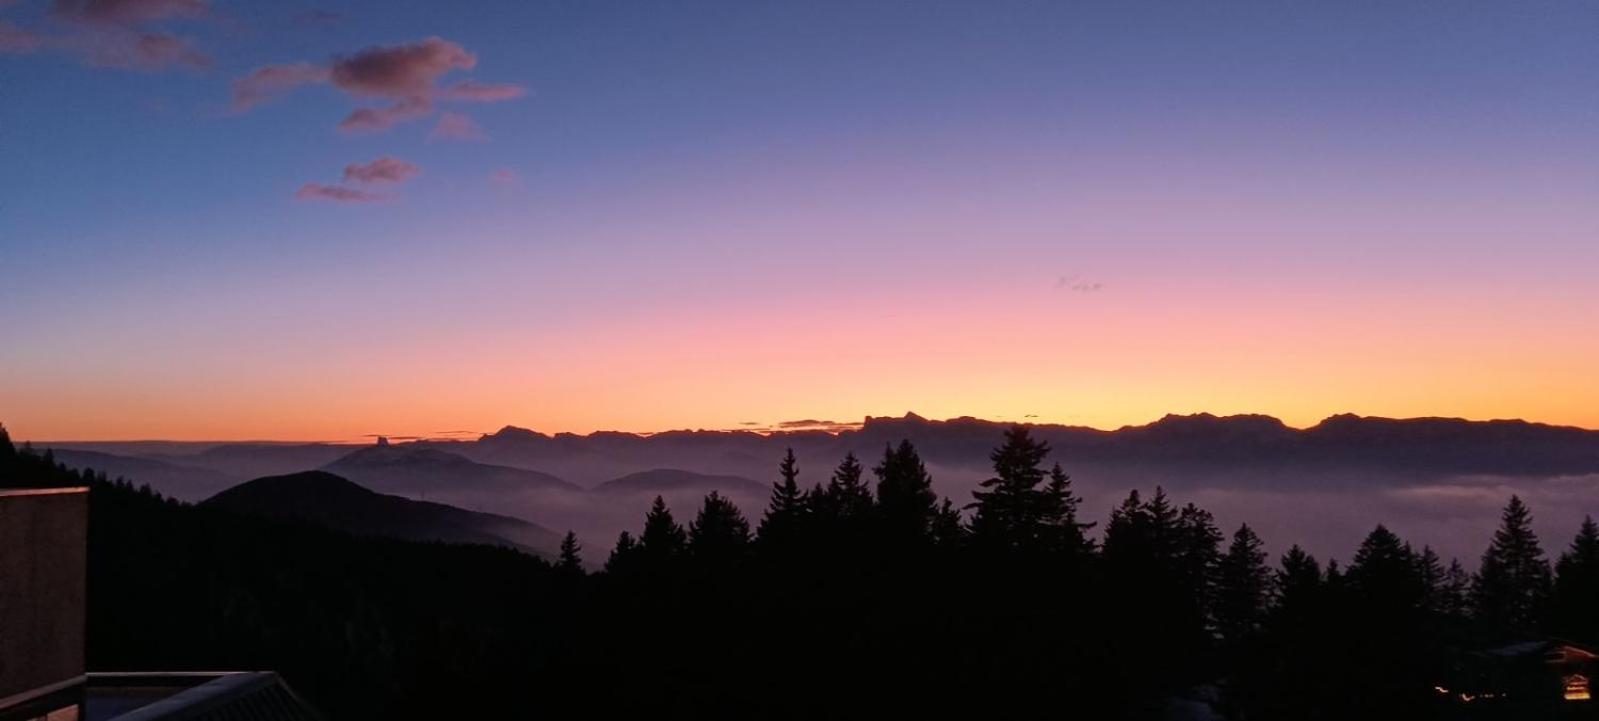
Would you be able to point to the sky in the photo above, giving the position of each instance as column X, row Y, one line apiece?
column 227, row 220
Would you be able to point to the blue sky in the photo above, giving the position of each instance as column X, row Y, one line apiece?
column 824, row 165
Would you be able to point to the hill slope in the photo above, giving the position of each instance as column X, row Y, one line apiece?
column 328, row 500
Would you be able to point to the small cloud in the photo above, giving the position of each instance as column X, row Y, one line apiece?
column 147, row 51
column 16, row 41
column 383, row 170
column 475, row 92
column 400, row 71
column 127, row 12
column 1078, row 285
column 270, row 81
column 455, row 126
column 337, row 194
column 504, row 176
column 371, row 120
column 406, row 75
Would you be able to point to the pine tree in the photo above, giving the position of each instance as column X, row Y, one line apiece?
column 1010, row 510
column 1453, row 597
column 1576, row 598
column 570, row 562
column 1297, row 584
column 624, row 557
column 947, row 530
column 906, row 503
column 663, row 539
column 846, row 499
column 719, row 534
column 1384, row 573
column 1243, row 584
column 1065, row 535
column 785, row 512
column 1513, row 581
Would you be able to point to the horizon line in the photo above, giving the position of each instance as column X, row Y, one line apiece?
column 811, row 426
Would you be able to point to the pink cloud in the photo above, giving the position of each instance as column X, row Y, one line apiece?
column 475, row 92
column 369, row 120
column 270, row 81
column 455, row 126
column 337, row 194
column 503, row 176
column 148, row 51
column 407, row 75
column 383, row 170
column 128, row 12
column 17, row 41
column 400, row 71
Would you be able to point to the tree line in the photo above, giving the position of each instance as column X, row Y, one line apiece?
column 863, row 595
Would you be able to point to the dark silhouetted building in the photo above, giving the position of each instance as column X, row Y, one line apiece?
column 43, row 649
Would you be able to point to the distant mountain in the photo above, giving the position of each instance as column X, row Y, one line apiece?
column 414, row 470
column 328, row 500
column 675, row 481
column 1252, row 449
column 183, row 482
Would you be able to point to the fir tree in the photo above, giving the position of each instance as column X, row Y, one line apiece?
column 1513, row 581
column 1198, row 553
column 906, row 503
column 570, row 562
column 1384, row 573
column 624, row 557
column 1576, row 598
column 1453, row 596
column 785, row 512
column 846, row 499
column 1011, row 507
column 947, row 530
column 1297, row 584
column 1243, row 584
column 663, row 539
column 719, row 533
column 1065, row 535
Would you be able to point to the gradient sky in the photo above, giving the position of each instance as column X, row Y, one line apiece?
column 652, row 215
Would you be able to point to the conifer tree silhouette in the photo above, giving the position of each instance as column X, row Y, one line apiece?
column 1010, row 509
column 781, row 524
column 1513, row 581
column 719, row 534
column 1243, row 585
column 624, row 556
column 570, row 562
column 1576, row 598
column 906, row 503
column 663, row 539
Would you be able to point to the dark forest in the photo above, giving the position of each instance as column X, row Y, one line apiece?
column 866, row 594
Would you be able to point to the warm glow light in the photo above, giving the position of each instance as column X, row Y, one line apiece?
column 1577, row 687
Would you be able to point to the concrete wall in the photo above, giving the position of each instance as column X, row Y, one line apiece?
column 43, row 572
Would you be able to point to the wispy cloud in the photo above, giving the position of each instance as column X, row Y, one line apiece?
column 372, row 120
column 337, row 194
column 407, row 76
column 1077, row 284
column 16, row 41
column 504, row 176
column 270, row 81
column 383, row 170
column 112, row 34
column 455, row 126
column 128, row 12
column 475, row 92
